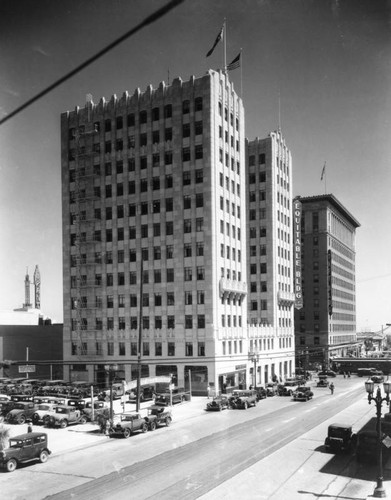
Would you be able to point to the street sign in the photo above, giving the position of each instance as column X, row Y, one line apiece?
column 26, row 368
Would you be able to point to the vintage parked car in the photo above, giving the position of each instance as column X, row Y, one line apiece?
column 22, row 411
column 289, row 387
column 261, row 393
column 41, row 411
column 340, row 437
column 158, row 416
column 218, row 403
column 302, row 393
column 25, row 448
column 146, row 394
column 366, row 372
column 377, row 377
column 271, row 389
column 100, row 408
column 64, row 416
column 242, row 399
column 165, row 399
column 328, row 373
column 322, row 382
column 130, row 423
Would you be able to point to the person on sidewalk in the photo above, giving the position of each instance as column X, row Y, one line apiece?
column 208, row 390
column 332, row 388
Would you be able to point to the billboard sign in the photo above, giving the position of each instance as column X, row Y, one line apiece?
column 297, row 210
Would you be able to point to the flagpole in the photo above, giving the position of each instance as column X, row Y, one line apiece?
column 225, row 45
column 241, row 74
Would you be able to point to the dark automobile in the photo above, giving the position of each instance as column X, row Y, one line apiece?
column 366, row 372
column 22, row 411
column 302, row 393
column 158, row 416
column 322, row 382
column 166, row 398
column 271, row 389
column 25, row 448
column 289, row 387
column 340, row 438
column 218, row 403
column 261, row 393
column 146, row 394
column 129, row 424
column 328, row 373
column 242, row 399
column 377, row 377
column 367, row 447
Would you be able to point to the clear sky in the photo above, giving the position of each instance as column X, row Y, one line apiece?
column 328, row 60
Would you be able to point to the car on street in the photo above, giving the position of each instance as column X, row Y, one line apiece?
column 24, row 448
column 100, row 408
column 64, row 416
column 322, row 382
column 218, row 403
column 165, row 399
column 22, row 411
column 243, row 399
column 261, row 393
column 41, row 411
column 289, row 387
column 302, row 393
column 271, row 389
column 328, row 373
column 128, row 425
column 158, row 416
column 340, row 438
column 377, row 377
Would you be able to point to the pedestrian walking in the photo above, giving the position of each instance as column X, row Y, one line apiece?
column 208, row 390
column 29, row 428
column 348, row 374
column 332, row 388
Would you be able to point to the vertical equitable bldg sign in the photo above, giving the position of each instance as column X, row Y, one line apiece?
column 297, row 209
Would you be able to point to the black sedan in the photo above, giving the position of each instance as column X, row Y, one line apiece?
column 218, row 403
column 328, row 373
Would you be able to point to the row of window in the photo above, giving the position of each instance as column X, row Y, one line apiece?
column 158, row 275
column 228, row 184
column 143, row 232
column 146, row 348
column 231, row 321
column 142, row 117
column 229, row 253
column 146, row 323
column 235, row 209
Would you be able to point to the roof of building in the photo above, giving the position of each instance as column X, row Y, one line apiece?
column 330, row 198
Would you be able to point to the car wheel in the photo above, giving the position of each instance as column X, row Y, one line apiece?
column 43, row 456
column 22, row 419
column 168, row 421
column 127, row 433
column 83, row 420
column 11, row 465
column 152, row 426
column 63, row 424
column 144, row 428
column 35, row 418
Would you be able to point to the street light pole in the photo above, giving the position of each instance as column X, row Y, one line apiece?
column 254, row 357
column 111, row 369
column 379, row 491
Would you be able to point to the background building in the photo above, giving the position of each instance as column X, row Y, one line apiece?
column 326, row 325
column 269, row 245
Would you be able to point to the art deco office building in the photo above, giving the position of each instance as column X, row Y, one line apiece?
column 154, row 234
column 269, row 274
column 326, row 325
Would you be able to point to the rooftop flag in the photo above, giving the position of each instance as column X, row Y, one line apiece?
column 323, row 171
column 235, row 63
column 219, row 37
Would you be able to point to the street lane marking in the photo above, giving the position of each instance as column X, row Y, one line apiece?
column 289, row 420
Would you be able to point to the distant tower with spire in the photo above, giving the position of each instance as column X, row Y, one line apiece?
column 27, row 303
column 37, row 288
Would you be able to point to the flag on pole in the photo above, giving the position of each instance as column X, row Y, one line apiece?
column 219, row 37
column 323, row 171
column 235, row 63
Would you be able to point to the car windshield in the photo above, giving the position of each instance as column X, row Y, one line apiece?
column 61, row 410
column 19, row 406
column 16, row 443
column 338, row 431
column 43, row 407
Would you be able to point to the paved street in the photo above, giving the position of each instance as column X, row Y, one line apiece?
column 271, row 451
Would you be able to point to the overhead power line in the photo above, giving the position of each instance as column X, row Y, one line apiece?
column 148, row 20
